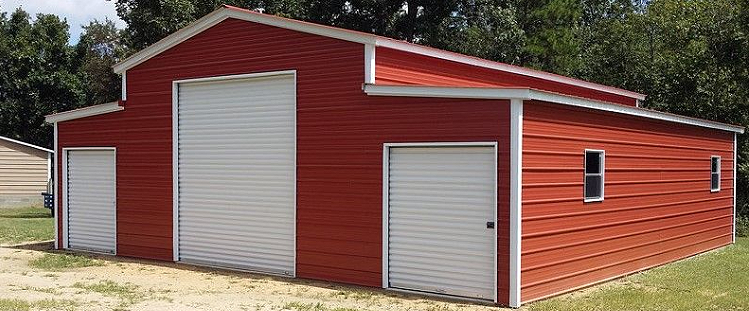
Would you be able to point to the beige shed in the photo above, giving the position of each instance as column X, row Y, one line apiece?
column 25, row 171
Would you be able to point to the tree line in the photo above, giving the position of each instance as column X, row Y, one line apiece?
column 690, row 57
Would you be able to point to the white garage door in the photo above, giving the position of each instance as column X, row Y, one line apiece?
column 237, row 158
column 90, row 181
column 441, row 236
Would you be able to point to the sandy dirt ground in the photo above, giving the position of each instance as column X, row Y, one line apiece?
column 148, row 285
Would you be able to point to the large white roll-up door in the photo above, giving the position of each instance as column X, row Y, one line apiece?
column 90, row 196
column 237, row 159
column 441, row 210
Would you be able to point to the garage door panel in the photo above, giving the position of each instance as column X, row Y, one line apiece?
column 439, row 201
column 90, row 197
column 236, row 145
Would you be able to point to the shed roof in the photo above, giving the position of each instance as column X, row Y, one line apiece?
column 25, row 144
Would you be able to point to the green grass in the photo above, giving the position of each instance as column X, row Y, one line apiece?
column 58, row 262
column 298, row 306
column 46, row 304
column 127, row 293
column 714, row 281
column 26, row 224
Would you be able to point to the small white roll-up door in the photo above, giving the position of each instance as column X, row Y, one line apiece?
column 441, row 210
column 237, row 159
column 90, row 182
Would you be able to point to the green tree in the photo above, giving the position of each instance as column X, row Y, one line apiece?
column 99, row 47
column 36, row 78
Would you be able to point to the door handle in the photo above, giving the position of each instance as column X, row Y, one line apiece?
column 490, row 225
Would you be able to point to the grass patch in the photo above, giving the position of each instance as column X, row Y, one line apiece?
column 298, row 306
column 57, row 262
column 46, row 304
column 127, row 293
column 14, row 305
column 28, row 224
column 715, row 281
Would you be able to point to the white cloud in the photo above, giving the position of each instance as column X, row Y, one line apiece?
column 77, row 12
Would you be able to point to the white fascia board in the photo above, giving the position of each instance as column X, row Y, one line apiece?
column 478, row 62
column 446, row 92
column 84, row 112
column 221, row 14
column 25, row 144
column 531, row 94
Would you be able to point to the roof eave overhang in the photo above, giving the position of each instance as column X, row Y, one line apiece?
column 84, row 112
column 25, row 144
column 533, row 94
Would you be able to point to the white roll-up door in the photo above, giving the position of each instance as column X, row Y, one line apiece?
column 237, row 159
column 91, row 200
column 441, row 210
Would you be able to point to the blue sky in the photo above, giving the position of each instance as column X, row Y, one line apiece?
column 77, row 12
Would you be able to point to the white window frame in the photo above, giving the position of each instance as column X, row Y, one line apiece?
column 602, row 174
column 720, row 164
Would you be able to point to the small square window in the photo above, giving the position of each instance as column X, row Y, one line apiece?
column 715, row 174
column 594, row 172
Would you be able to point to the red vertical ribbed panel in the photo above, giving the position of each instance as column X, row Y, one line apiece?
column 340, row 133
column 396, row 67
column 658, row 206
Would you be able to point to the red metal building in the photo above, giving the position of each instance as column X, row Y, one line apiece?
column 265, row 144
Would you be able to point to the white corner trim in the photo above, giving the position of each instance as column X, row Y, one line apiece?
column 369, row 63
column 532, row 94
column 25, row 144
column 478, row 62
column 735, row 141
column 55, row 183
column 124, row 85
column 516, row 198
column 83, row 112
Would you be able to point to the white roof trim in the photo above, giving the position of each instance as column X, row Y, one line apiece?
column 532, row 94
column 220, row 15
column 25, row 144
column 225, row 12
column 84, row 112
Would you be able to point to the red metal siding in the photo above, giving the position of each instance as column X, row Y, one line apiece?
column 394, row 67
column 657, row 208
column 340, row 133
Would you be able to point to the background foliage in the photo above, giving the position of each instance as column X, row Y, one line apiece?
column 690, row 57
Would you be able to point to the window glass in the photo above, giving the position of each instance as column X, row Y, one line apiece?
column 714, row 167
column 593, row 186
column 592, row 162
column 715, row 173
column 594, row 171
